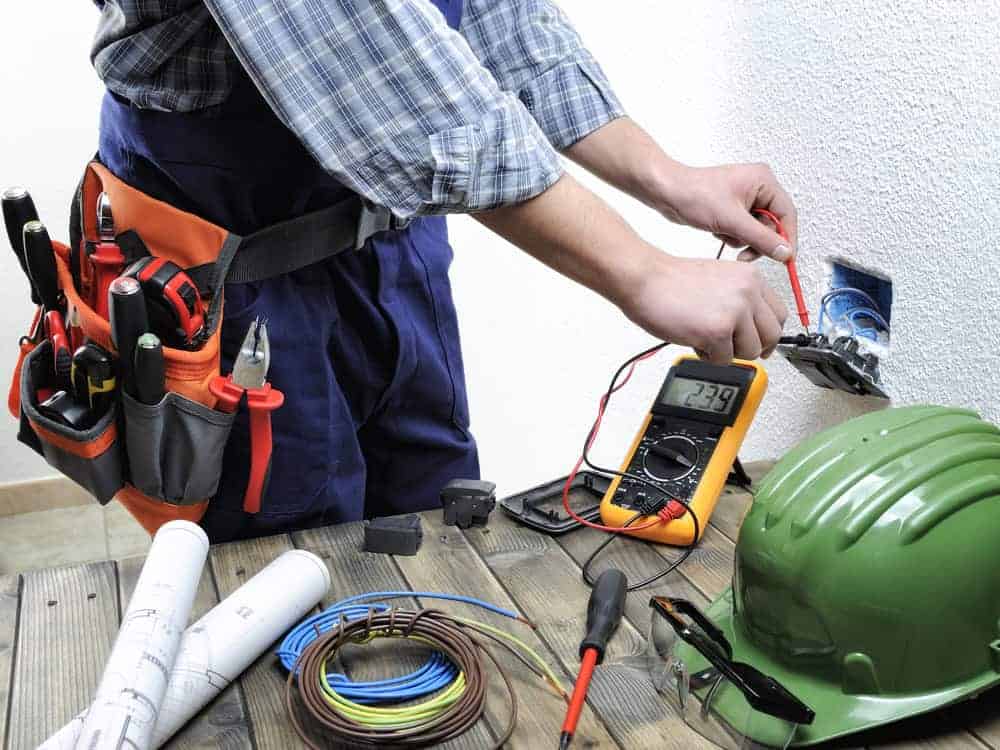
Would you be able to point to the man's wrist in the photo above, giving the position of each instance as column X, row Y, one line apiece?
column 661, row 184
column 631, row 271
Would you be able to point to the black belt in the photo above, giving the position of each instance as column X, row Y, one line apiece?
column 303, row 241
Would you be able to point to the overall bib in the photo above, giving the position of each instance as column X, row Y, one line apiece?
column 364, row 345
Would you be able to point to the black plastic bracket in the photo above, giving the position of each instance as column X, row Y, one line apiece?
column 468, row 502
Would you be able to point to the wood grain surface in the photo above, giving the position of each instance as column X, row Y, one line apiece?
column 57, row 627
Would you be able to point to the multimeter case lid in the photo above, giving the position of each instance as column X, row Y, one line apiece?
column 528, row 507
column 867, row 572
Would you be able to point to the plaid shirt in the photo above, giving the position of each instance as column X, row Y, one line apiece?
column 385, row 95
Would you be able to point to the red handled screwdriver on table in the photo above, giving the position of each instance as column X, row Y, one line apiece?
column 249, row 377
column 604, row 614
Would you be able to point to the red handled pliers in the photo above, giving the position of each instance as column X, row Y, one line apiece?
column 249, row 377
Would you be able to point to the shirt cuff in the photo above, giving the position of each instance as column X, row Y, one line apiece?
column 502, row 159
column 572, row 100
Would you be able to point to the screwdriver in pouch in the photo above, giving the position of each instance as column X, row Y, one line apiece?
column 604, row 613
column 41, row 262
column 18, row 210
column 149, row 373
column 127, row 312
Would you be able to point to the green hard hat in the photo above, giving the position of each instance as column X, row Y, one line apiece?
column 867, row 575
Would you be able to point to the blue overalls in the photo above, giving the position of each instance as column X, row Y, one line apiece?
column 365, row 345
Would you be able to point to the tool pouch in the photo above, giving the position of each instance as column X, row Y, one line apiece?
column 170, row 459
column 92, row 458
column 175, row 447
column 162, row 461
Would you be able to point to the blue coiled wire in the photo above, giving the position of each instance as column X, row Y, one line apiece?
column 436, row 672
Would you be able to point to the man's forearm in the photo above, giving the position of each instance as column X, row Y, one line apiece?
column 720, row 200
column 624, row 155
column 573, row 231
column 721, row 309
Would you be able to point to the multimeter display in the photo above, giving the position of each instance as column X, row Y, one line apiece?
column 702, row 395
column 686, row 446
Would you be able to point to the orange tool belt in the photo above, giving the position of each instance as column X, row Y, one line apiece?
column 167, row 464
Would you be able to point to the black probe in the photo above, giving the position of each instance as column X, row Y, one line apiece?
column 18, row 210
column 604, row 614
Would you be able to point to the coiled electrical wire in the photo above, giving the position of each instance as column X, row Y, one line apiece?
column 373, row 705
column 435, row 674
column 448, row 714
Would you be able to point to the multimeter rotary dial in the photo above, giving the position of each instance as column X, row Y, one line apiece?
column 671, row 458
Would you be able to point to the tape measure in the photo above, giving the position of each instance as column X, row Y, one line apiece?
column 686, row 445
column 176, row 312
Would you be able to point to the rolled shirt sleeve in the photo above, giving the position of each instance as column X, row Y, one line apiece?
column 392, row 102
column 533, row 50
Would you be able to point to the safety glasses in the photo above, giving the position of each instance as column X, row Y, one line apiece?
column 728, row 702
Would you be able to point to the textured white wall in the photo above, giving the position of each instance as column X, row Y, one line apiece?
column 881, row 118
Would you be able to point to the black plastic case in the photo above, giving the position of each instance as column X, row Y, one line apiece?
column 540, row 507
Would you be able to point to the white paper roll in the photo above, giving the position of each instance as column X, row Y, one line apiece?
column 129, row 696
column 228, row 639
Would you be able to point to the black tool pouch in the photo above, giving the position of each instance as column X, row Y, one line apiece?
column 175, row 447
column 92, row 458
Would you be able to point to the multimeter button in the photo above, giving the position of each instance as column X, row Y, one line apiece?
column 672, row 458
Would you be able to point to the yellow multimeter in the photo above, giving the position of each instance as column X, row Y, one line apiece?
column 686, row 445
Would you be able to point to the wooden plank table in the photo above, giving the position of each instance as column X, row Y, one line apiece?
column 57, row 626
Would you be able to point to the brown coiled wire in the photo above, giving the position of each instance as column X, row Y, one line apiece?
column 454, row 639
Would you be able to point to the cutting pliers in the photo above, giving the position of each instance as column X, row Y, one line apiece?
column 249, row 378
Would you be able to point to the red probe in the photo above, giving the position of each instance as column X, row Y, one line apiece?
column 793, row 272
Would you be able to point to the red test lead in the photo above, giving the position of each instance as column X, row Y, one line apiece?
column 793, row 272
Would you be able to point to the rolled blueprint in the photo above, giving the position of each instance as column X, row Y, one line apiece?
column 130, row 693
column 228, row 639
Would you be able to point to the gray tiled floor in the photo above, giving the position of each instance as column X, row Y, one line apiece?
column 64, row 536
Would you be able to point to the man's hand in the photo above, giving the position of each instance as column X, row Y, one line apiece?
column 717, row 199
column 720, row 200
column 719, row 308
